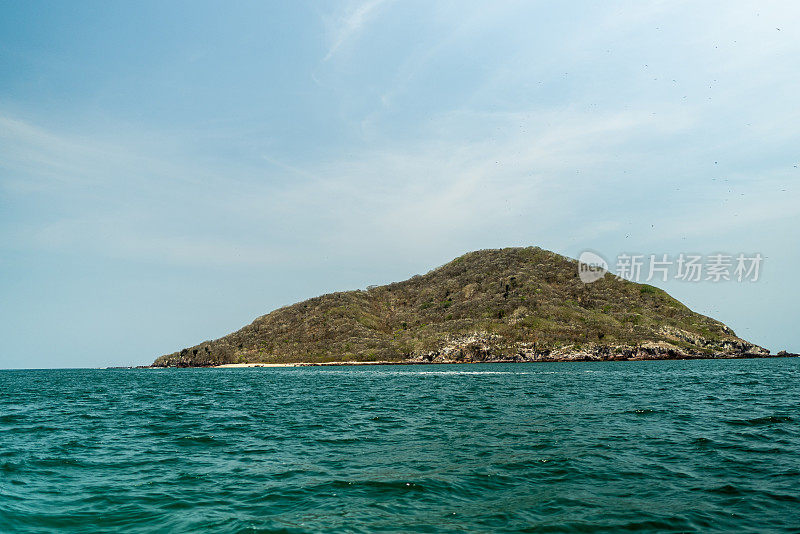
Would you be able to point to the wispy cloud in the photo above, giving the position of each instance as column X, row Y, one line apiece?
column 441, row 188
column 521, row 171
column 348, row 25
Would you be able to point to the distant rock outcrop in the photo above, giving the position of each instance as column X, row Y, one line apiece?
column 513, row 304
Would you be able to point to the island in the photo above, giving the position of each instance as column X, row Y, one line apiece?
column 503, row 305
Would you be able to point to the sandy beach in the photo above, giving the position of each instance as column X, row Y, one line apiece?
column 232, row 365
column 319, row 364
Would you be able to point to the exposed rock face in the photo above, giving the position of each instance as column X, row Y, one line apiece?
column 481, row 348
column 208, row 354
column 516, row 304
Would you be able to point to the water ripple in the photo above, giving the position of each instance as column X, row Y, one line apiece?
column 553, row 447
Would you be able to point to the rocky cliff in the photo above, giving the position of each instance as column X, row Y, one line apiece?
column 513, row 304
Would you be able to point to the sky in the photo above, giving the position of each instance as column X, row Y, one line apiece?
column 171, row 170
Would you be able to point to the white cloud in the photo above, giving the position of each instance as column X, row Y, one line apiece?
column 441, row 188
column 486, row 168
column 348, row 25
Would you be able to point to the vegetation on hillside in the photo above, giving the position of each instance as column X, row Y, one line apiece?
column 507, row 304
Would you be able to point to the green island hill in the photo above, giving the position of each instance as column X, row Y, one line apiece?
column 506, row 305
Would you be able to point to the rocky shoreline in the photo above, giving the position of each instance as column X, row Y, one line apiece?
column 566, row 358
column 475, row 351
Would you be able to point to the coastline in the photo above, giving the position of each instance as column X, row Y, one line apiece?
column 453, row 362
column 238, row 365
column 321, row 364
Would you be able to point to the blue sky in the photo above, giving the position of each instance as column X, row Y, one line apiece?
column 171, row 170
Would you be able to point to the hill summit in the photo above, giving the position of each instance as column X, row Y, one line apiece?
column 511, row 304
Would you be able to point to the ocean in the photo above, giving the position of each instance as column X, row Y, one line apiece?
column 651, row 446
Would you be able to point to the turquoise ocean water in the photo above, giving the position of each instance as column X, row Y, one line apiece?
column 552, row 447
